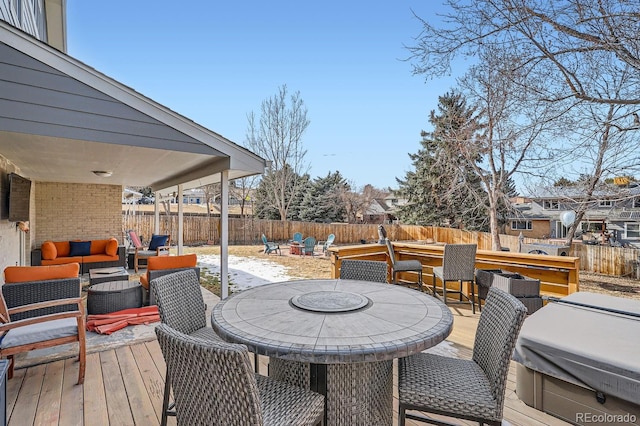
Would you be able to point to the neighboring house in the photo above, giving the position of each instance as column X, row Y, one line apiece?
column 377, row 212
column 614, row 218
column 383, row 210
column 79, row 137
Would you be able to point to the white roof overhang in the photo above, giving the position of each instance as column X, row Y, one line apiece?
column 60, row 120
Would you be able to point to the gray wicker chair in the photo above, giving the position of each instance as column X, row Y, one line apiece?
column 398, row 266
column 366, row 270
column 458, row 264
column 466, row 389
column 182, row 308
column 214, row 384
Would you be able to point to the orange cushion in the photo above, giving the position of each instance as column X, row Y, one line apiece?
column 98, row 258
column 172, row 262
column 112, row 247
column 49, row 251
column 98, row 246
column 62, row 260
column 19, row 274
column 144, row 280
column 63, row 248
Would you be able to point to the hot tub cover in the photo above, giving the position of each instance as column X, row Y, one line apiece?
column 585, row 346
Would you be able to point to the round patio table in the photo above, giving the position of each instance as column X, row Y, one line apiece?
column 337, row 337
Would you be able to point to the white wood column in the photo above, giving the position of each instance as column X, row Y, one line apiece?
column 156, row 213
column 180, row 219
column 224, row 234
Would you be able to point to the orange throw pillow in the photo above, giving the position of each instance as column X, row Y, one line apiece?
column 20, row 274
column 49, row 250
column 112, row 247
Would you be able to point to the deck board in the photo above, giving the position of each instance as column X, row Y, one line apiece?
column 124, row 386
column 71, row 405
column 95, row 401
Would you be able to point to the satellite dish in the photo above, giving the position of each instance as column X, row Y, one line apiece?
column 567, row 218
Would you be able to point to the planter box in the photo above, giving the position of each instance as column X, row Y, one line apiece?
column 484, row 279
column 513, row 283
column 516, row 284
column 531, row 303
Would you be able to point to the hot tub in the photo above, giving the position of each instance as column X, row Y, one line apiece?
column 582, row 363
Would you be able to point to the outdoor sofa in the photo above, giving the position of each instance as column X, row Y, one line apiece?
column 89, row 254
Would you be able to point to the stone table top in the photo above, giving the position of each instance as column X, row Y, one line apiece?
column 333, row 321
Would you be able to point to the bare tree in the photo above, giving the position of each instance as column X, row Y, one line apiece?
column 358, row 201
column 575, row 44
column 242, row 189
column 211, row 191
column 578, row 55
column 277, row 137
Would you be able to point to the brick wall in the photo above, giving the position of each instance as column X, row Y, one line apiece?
column 69, row 211
column 540, row 229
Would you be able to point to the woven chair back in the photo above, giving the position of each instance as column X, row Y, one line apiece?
column 498, row 329
column 365, row 270
column 213, row 381
column 180, row 301
column 459, row 262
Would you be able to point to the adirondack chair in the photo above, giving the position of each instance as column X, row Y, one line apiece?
column 270, row 246
column 297, row 238
column 325, row 244
column 309, row 246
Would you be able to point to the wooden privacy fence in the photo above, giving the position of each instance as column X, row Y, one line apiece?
column 558, row 275
column 202, row 229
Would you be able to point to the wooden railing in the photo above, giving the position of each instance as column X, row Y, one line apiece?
column 558, row 275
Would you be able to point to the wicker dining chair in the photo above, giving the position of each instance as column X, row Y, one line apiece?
column 458, row 264
column 182, row 308
column 365, row 270
column 398, row 266
column 213, row 384
column 466, row 389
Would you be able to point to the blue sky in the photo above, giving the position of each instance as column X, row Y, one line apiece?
column 214, row 62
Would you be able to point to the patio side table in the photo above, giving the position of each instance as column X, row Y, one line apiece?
column 112, row 296
column 103, row 275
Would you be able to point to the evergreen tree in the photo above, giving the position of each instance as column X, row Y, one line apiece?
column 443, row 190
column 323, row 202
column 305, row 186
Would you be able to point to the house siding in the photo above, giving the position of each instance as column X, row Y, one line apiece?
column 539, row 229
column 33, row 89
column 68, row 211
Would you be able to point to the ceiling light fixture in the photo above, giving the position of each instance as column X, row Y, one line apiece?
column 102, row 173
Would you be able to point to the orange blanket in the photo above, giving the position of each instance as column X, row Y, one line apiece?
column 114, row 321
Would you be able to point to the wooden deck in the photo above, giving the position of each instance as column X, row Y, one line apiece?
column 124, row 386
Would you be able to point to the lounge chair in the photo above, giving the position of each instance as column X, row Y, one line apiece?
column 308, row 247
column 327, row 243
column 297, row 238
column 158, row 246
column 41, row 313
column 270, row 246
